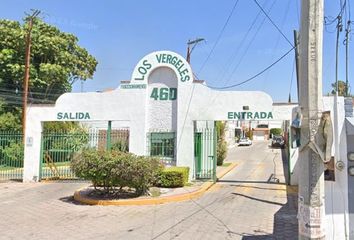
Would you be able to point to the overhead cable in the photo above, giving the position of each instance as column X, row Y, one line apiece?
column 219, row 36
column 280, row 31
column 258, row 74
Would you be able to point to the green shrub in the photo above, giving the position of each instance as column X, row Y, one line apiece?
column 221, row 152
column 114, row 170
column 120, row 145
column 173, row 177
column 276, row 131
column 14, row 153
column 249, row 134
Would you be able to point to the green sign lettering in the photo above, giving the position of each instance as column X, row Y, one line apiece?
column 73, row 115
column 249, row 115
column 133, row 86
column 182, row 69
column 164, row 94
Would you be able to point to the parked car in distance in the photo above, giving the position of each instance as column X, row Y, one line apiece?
column 278, row 141
column 245, row 142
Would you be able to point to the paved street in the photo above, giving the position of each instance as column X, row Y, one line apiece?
column 246, row 204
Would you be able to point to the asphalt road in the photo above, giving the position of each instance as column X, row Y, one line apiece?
column 245, row 204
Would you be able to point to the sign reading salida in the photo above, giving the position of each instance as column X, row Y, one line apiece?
column 73, row 115
column 249, row 115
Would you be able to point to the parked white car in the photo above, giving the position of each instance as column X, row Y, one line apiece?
column 245, row 142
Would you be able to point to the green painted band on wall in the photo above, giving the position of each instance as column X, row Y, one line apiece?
column 73, row 115
column 249, row 115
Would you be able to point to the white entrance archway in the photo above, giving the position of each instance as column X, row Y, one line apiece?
column 161, row 94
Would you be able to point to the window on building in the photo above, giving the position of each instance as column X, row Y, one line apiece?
column 162, row 144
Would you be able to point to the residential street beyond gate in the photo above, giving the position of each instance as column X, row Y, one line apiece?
column 247, row 203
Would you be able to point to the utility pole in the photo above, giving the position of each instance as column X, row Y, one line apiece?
column 190, row 47
column 339, row 29
column 27, row 67
column 311, row 211
column 296, row 44
column 347, row 31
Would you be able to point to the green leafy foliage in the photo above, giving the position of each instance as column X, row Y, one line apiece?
column 276, row 131
column 62, row 139
column 13, row 152
column 120, row 145
column 60, row 126
column 9, row 121
column 249, row 134
column 221, row 152
column 112, row 170
column 57, row 61
column 342, row 88
column 173, row 177
column 74, row 140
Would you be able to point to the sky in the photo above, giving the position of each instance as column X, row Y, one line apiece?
column 119, row 33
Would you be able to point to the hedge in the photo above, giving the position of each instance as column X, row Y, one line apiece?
column 114, row 170
column 173, row 177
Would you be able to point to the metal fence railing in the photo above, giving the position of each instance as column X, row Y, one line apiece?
column 205, row 153
column 11, row 155
column 162, row 145
column 58, row 148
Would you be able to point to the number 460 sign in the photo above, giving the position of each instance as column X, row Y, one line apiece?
column 164, row 93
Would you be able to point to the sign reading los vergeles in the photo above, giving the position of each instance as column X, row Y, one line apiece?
column 163, row 58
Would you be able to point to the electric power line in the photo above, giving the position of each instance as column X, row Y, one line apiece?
column 333, row 20
column 283, row 20
column 280, row 31
column 248, row 47
column 235, row 54
column 219, row 36
column 256, row 75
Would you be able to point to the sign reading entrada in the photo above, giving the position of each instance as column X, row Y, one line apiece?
column 166, row 58
column 249, row 115
column 73, row 115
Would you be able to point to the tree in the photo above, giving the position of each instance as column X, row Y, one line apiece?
column 9, row 120
column 342, row 88
column 57, row 61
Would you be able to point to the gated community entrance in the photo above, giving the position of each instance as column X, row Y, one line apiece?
column 162, row 111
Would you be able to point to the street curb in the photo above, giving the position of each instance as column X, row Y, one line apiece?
column 226, row 170
column 152, row 201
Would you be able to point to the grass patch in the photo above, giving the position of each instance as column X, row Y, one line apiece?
column 61, row 164
column 226, row 164
column 6, row 168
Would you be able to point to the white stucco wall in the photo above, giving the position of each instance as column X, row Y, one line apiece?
column 162, row 115
column 336, row 193
column 132, row 103
column 101, row 107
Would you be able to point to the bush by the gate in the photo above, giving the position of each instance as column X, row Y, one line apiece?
column 173, row 177
column 276, row 131
column 113, row 170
